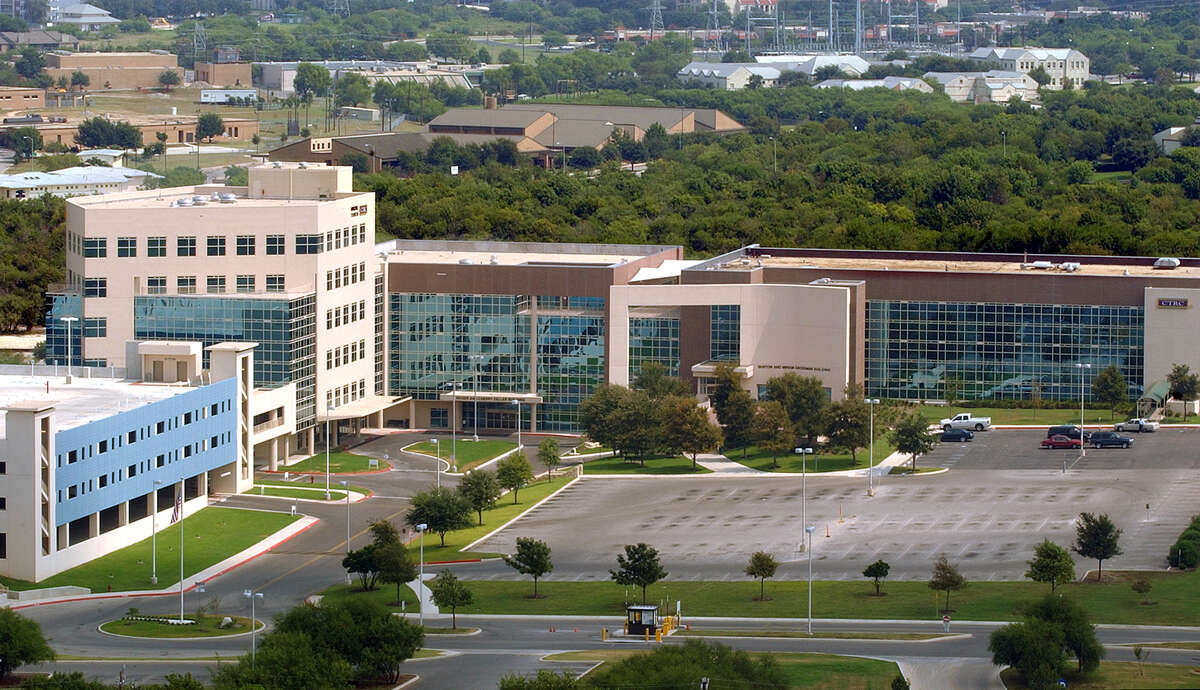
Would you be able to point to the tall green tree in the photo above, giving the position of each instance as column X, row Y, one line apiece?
column 686, row 427
column 737, row 420
column 481, row 490
column 31, row 63
column 1184, row 385
column 878, row 572
column 442, row 509
column 548, row 456
column 639, row 566
column 1109, row 387
column 396, row 566
column 848, row 423
column 168, row 78
column 531, row 558
column 654, row 378
column 773, row 430
column 352, row 89
column 514, row 472
column 209, row 125
column 1097, row 537
column 21, row 642
column 1033, row 647
column 449, row 592
column 911, row 437
column 946, row 578
column 1052, row 564
column 805, row 400
column 762, row 565
column 1079, row 635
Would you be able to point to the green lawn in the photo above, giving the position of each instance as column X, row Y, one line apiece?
column 658, row 465
column 296, row 484
column 494, row 517
column 1118, row 674
column 209, row 626
column 582, row 450
column 818, row 462
column 210, row 536
column 339, row 462
column 315, row 494
column 385, row 594
column 1112, row 602
column 701, row 632
column 468, row 454
column 935, row 413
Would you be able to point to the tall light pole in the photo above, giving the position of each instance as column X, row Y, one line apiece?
column 328, row 414
column 154, row 535
column 252, row 595
column 775, row 155
column 454, row 427
column 809, row 529
column 475, row 389
column 346, row 485
column 1004, row 142
column 421, row 577
column 69, row 320
column 802, row 452
column 179, row 500
column 1081, row 366
column 437, row 449
column 518, row 404
column 871, row 402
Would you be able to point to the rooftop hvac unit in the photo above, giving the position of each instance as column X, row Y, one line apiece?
column 466, row 261
column 227, row 198
column 184, row 202
column 1167, row 263
column 1070, row 266
column 199, row 200
column 1042, row 265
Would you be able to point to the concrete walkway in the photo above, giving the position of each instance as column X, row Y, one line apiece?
column 950, row 674
column 720, row 464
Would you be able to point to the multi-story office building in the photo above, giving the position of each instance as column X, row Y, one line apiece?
column 87, row 467
column 287, row 262
column 1067, row 68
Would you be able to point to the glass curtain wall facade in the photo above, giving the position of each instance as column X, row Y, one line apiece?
column 570, row 357
column 725, row 326
column 59, row 305
column 998, row 351
column 654, row 337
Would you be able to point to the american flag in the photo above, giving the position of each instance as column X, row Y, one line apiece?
column 175, row 514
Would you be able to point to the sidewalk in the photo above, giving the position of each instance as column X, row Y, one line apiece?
column 723, row 466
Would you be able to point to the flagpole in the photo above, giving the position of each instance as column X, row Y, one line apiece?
column 182, row 486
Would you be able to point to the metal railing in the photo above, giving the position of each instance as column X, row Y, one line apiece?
column 62, row 370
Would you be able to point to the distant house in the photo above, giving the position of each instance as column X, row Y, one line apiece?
column 1067, row 68
column 892, row 83
column 994, row 86
column 852, row 65
column 77, row 181
column 87, row 17
column 730, row 76
column 1172, row 138
column 42, row 40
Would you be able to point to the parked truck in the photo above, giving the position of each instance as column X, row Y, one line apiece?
column 966, row 420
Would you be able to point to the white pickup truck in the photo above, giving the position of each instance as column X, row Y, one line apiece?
column 1136, row 424
column 967, row 421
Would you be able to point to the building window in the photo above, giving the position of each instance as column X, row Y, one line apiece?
column 216, row 284
column 308, row 244
column 102, row 481
column 156, row 246
column 725, row 325
column 3, row 468
column 185, row 246
column 126, row 247
column 3, row 545
column 95, row 247
column 216, row 245
column 245, row 283
column 185, row 285
column 439, row 418
column 96, row 327
column 3, row 503
column 275, row 244
column 245, row 245
column 156, row 285
column 95, row 287
column 275, row 283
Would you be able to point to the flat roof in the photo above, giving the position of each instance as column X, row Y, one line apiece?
column 500, row 253
column 164, row 198
column 84, row 400
column 502, row 258
column 1124, row 268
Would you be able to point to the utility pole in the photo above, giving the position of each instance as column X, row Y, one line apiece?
column 712, row 27
column 656, row 20
column 199, row 43
column 858, row 27
column 831, row 49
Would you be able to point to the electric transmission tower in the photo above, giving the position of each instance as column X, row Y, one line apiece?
column 199, row 43
column 712, row 28
column 656, row 20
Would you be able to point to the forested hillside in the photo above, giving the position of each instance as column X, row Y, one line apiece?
column 31, row 258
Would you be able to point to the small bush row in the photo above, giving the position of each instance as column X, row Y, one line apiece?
column 1185, row 552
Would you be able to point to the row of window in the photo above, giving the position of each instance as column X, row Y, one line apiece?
column 347, row 313
column 215, row 245
column 161, row 460
column 346, row 275
column 186, row 285
column 345, row 237
column 345, row 354
column 132, row 436
column 346, row 394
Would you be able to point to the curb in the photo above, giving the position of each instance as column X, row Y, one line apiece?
column 525, row 512
column 263, row 626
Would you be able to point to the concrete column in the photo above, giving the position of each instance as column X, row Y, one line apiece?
column 202, row 483
column 532, row 417
column 310, row 440
column 273, row 460
column 93, row 525
column 123, row 514
column 285, row 444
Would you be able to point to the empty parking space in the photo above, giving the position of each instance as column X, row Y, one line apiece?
column 1166, row 449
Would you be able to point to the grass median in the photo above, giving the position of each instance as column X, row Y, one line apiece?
column 207, row 626
column 821, row 462
column 210, row 536
column 315, row 494
column 468, row 454
column 1117, row 674
column 340, row 462
column 295, row 484
column 1111, row 602
column 657, row 465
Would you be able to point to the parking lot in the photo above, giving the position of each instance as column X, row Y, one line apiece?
column 1002, row 496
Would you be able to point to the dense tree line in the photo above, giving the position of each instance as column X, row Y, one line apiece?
column 31, row 258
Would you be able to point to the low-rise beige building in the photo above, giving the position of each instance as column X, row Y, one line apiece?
column 114, row 70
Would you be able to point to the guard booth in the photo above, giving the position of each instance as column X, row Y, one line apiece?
column 641, row 619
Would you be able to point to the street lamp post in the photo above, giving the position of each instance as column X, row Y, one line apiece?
column 328, row 414
column 252, row 595
column 179, row 502
column 69, row 320
column 802, row 452
column 437, row 449
column 1004, row 142
column 775, row 155
column 154, row 535
column 518, row 404
column 871, row 402
column 346, row 486
column 454, row 427
column 809, row 529
column 1081, row 366
column 475, row 371
column 421, row 577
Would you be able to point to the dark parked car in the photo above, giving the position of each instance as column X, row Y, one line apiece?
column 1059, row 441
column 1068, row 430
column 958, row 435
column 1110, row 439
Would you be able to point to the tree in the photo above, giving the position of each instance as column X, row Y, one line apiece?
column 548, row 456
column 638, row 566
column 544, row 680
column 31, row 63
column 1184, row 385
column 1097, row 537
column 584, row 158
column 762, row 565
column 1080, row 172
column 772, row 429
column 311, row 80
column 911, row 436
column 737, row 419
column 21, row 642
column 168, row 78
column 442, row 509
column 849, row 423
column 23, row 141
column 80, row 80
column 686, row 427
column 483, row 57
column 209, row 125
column 654, row 378
column 553, row 39
column 364, row 562
column 352, row 89
column 878, row 572
column 457, row 47
column 1142, row 587
column 1109, row 387
column 514, row 472
column 395, row 566
column 383, row 533
column 508, row 56
column 450, row 592
column 1040, row 75
column 532, row 558
column 946, row 578
column 681, row 666
column 1078, row 634
column 805, row 400
column 481, row 490
column 1052, row 564
column 736, row 55
column 235, row 175
column 1033, row 647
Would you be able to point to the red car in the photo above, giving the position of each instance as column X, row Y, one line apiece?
column 1060, row 441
